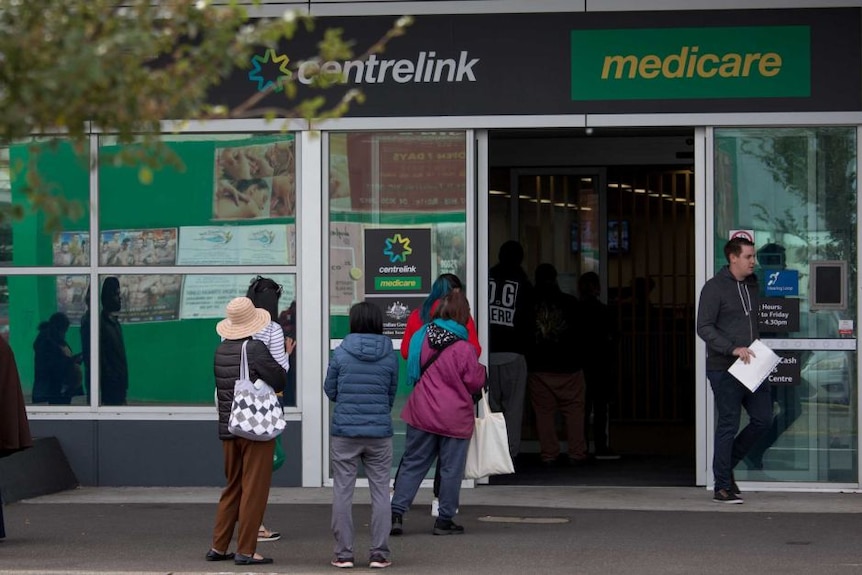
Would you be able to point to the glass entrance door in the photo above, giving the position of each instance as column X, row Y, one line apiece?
column 793, row 190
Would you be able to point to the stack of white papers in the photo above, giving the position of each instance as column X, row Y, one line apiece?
column 753, row 373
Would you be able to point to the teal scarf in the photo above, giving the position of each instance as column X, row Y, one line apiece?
column 413, row 365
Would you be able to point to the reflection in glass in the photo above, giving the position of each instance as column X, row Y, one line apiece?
column 157, row 335
column 795, row 188
column 27, row 241
column 231, row 201
column 390, row 191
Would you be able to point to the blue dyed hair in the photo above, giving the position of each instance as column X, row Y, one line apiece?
column 442, row 286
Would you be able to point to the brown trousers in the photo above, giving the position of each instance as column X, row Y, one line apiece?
column 565, row 392
column 248, row 470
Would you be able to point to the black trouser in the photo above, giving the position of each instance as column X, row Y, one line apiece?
column 598, row 400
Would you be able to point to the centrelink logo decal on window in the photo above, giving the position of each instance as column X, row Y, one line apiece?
column 270, row 60
column 398, row 248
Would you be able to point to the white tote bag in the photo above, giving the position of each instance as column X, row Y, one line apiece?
column 255, row 412
column 488, row 453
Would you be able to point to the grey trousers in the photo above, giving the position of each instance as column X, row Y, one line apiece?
column 507, row 380
column 376, row 456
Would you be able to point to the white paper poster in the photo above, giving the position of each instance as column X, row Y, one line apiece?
column 206, row 296
column 233, row 245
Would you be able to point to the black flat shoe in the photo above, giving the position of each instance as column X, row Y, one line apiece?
column 241, row 559
column 213, row 556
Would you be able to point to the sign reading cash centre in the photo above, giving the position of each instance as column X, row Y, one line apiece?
column 687, row 63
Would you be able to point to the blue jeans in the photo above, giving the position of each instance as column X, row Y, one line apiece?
column 730, row 397
column 420, row 449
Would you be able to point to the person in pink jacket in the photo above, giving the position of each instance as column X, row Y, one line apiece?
column 439, row 412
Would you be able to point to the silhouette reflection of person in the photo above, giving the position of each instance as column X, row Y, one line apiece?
column 57, row 371
column 599, row 347
column 113, row 366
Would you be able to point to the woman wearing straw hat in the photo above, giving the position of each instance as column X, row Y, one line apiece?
column 247, row 464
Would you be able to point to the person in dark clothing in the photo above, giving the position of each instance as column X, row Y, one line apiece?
column 247, row 463
column 509, row 322
column 727, row 322
column 14, row 427
column 113, row 366
column 599, row 352
column 556, row 368
column 57, row 374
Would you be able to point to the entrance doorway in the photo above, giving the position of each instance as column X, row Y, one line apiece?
column 619, row 203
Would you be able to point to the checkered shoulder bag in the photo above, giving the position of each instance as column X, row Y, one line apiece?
column 255, row 412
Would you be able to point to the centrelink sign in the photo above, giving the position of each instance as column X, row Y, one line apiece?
column 692, row 61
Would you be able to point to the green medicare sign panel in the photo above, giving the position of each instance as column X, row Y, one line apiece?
column 689, row 63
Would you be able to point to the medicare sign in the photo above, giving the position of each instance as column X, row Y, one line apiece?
column 689, row 63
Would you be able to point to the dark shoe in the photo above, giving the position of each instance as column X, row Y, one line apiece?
column 379, row 562
column 397, row 524
column 573, row 462
column 549, row 463
column 346, row 563
column 447, row 527
column 725, row 496
column 241, row 559
column 213, row 556
column 734, row 488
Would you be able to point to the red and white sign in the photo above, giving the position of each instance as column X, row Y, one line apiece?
column 747, row 234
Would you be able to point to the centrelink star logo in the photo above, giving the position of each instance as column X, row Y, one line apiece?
column 269, row 58
column 397, row 248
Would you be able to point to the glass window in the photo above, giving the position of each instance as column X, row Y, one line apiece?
column 42, row 317
column 157, row 335
column 229, row 200
column 31, row 237
column 397, row 220
column 794, row 190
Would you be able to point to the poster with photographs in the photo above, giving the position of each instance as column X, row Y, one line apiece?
column 150, row 298
column 147, row 247
column 255, row 181
column 72, row 296
column 71, row 249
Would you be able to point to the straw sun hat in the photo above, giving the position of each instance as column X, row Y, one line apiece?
column 243, row 319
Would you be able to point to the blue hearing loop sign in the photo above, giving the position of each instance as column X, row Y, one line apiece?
column 782, row 282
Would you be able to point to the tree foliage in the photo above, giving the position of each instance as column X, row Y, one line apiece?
column 124, row 66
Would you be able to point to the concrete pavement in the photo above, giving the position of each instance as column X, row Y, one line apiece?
column 509, row 530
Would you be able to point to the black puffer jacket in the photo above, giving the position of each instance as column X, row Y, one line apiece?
column 226, row 368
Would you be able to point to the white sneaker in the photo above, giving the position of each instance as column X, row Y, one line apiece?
column 435, row 507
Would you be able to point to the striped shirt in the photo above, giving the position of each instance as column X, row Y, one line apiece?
column 273, row 337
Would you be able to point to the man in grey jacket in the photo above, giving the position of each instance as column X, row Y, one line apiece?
column 727, row 322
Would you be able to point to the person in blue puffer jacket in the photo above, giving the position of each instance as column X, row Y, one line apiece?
column 362, row 380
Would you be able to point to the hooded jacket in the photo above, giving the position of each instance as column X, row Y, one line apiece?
column 727, row 317
column 362, row 380
column 56, row 375
column 442, row 401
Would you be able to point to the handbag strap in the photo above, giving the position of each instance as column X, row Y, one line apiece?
column 434, row 357
column 243, row 364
